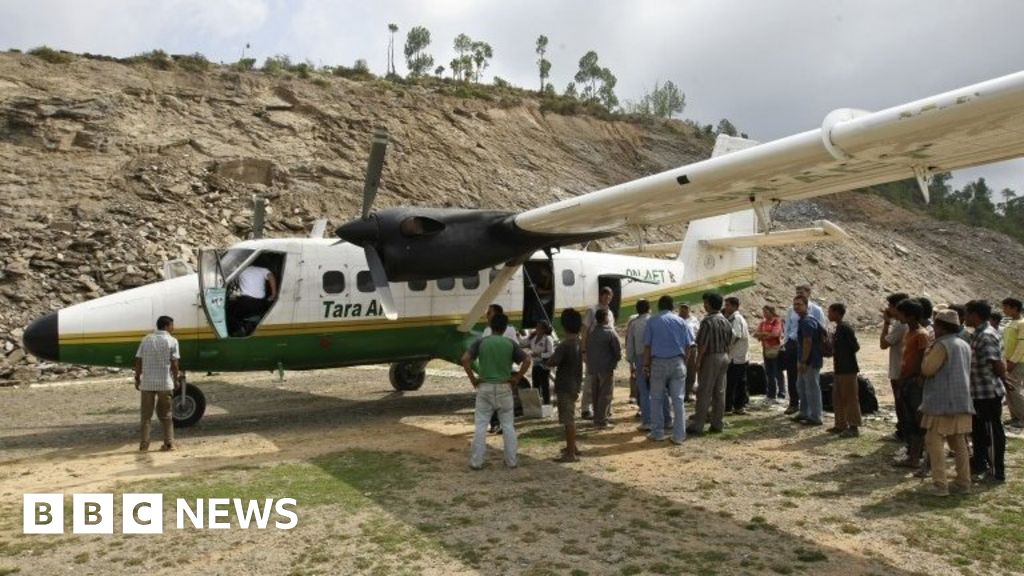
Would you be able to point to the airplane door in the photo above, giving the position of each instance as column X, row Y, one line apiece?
column 568, row 284
column 213, row 291
column 615, row 283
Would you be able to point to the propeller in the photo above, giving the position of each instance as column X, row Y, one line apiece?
column 374, row 169
column 366, row 231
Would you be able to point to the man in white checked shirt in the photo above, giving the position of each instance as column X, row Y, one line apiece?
column 156, row 371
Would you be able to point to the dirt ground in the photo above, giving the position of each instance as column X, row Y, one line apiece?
column 383, row 487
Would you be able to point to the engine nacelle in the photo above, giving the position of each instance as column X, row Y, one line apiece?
column 431, row 243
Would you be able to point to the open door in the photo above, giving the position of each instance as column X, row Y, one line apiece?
column 538, row 292
column 213, row 290
column 615, row 283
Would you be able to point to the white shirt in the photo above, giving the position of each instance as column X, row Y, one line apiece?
column 897, row 331
column 253, row 282
column 156, row 352
column 739, row 352
column 510, row 333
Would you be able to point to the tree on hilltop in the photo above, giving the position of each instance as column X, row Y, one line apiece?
column 392, row 28
column 543, row 65
column 598, row 82
column 416, row 59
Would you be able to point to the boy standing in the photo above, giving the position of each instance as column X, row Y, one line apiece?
column 844, row 356
column 568, row 361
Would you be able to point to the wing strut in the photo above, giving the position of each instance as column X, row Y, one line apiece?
column 492, row 291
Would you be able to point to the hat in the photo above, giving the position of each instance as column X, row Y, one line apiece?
column 948, row 316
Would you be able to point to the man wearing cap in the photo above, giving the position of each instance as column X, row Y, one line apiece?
column 946, row 402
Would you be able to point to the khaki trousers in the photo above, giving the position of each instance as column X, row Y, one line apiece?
column 1015, row 393
column 162, row 402
column 711, row 392
column 935, row 443
column 845, row 403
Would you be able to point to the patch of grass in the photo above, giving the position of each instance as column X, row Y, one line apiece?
column 550, row 435
column 9, row 571
column 81, row 558
column 984, row 528
column 50, row 55
column 349, row 479
column 630, row 569
column 193, row 62
column 155, row 59
column 850, row 529
column 805, row 555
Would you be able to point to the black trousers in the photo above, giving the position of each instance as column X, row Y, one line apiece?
column 736, row 396
column 988, row 438
column 542, row 381
column 788, row 359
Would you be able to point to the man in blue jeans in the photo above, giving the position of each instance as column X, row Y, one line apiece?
column 494, row 388
column 635, row 356
column 666, row 342
column 809, row 361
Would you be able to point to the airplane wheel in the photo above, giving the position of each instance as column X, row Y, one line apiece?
column 407, row 376
column 188, row 409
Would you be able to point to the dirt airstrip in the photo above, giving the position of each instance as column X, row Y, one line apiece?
column 383, row 487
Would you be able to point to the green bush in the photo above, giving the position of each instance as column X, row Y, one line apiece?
column 302, row 70
column 156, row 59
column 245, row 64
column 359, row 71
column 193, row 62
column 275, row 65
column 50, row 55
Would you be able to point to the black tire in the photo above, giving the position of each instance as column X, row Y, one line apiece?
column 407, row 376
column 188, row 410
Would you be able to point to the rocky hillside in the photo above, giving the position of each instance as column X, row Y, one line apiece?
column 108, row 169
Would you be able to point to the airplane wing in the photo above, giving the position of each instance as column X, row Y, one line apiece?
column 852, row 149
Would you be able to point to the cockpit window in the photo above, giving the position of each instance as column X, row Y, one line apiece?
column 232, row 259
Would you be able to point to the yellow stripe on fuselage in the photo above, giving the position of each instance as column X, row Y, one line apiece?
column 299, row 328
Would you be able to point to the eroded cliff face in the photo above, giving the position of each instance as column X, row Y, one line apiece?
column 107, row 170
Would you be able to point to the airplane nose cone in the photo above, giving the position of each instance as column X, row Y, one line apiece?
column 41, row 338
column 359, row 231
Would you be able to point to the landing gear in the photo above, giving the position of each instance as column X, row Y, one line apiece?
column 188, row 404
column 407, row 376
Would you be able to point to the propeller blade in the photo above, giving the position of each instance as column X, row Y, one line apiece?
column 374, row 168
column 380, row 282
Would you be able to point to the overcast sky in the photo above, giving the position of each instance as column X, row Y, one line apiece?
column 773, row 68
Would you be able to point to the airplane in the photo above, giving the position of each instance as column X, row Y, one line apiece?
column 408, row 285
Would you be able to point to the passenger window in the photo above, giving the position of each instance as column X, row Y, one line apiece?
column 446, row 284
column 364, row 282
column 568, row 278
column 334, row 282
column 471, row 282
column 417, row 285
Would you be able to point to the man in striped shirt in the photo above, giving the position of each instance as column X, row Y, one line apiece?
column 713, row 341
column 156, row 371
column 987, row 373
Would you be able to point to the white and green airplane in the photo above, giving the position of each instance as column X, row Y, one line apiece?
column 407, row 285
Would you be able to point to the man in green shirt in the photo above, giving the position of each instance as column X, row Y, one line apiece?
column 494, row 382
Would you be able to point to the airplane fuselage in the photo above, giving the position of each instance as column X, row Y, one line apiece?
column 327, row 313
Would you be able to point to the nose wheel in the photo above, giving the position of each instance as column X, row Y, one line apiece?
column 188, row 404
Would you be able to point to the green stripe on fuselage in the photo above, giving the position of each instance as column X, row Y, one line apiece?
column 320, row 350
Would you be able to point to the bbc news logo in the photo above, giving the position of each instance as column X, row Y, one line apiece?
column 144, row 513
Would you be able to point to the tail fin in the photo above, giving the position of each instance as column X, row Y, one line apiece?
column 708, row 266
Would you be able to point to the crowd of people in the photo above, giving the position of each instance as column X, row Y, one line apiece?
column 950, row 369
